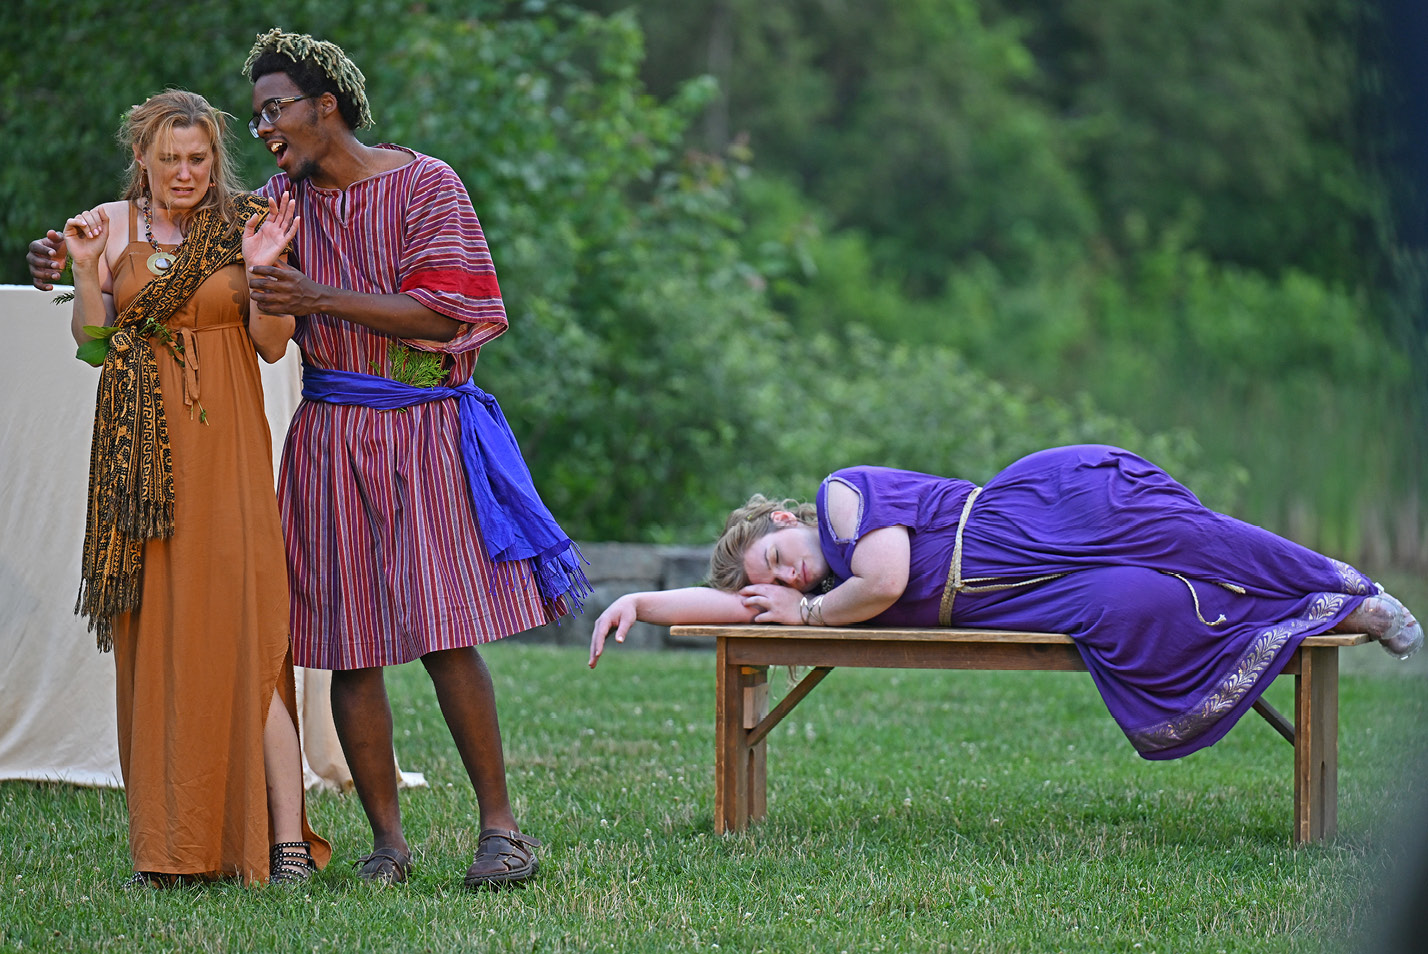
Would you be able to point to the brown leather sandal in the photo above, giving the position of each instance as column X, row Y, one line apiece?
column 383, row 866
column 503, row 858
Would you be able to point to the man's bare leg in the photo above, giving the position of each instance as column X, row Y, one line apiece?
column 504, row 856
column 468, row 703
column 363, row 719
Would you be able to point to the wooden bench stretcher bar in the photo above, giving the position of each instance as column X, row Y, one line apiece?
column 743, row 721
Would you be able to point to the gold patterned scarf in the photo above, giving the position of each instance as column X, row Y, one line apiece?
column 131, row 477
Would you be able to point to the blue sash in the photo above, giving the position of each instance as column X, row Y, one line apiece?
column 515, row 523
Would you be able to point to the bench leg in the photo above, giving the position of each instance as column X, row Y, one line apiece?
column 740, row 769
column 1316, row 745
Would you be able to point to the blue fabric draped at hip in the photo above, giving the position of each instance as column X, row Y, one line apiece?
column 515, row 522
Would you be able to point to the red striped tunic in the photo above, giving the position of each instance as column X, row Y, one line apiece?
column 385, row 557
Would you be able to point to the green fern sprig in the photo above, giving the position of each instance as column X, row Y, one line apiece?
column 420, row 369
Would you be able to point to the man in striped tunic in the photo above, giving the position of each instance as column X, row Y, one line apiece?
column 386, row 555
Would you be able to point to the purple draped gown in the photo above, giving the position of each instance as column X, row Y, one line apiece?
column 1183, row 615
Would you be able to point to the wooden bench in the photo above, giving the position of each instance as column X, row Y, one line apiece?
column 743, row 721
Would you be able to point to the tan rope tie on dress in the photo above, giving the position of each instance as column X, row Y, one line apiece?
column 187, row 339
column 1233, row 588
column 188, row 363
column 955, row 583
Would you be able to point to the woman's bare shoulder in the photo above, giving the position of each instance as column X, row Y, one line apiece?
column 117, row 212
column 119, row 208
column 845, row 508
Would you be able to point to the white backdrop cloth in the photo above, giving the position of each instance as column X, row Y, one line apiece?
column 57, row 706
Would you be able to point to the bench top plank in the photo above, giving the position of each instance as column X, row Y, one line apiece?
column 774, row 631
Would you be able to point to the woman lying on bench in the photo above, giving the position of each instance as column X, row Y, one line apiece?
column 1182, row 615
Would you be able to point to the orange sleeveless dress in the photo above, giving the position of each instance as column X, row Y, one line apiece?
column 197, row 663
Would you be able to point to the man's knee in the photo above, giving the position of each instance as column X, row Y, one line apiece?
column 354, row 683
column 464, row 659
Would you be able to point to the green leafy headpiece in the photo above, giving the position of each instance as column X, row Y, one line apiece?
column 325, row 55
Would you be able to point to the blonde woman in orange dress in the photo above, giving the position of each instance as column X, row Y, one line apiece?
column 184, row 574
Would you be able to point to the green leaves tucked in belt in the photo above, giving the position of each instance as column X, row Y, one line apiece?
column 420, row 369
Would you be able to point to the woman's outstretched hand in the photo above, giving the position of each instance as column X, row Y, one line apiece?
column 619, row 616
column 264, row 244
column 679, row 606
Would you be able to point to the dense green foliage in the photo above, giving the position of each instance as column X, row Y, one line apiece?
column 948, row 129
column 935, row 234
column 908, row 811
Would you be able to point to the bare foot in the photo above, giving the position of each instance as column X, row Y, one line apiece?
column 1386, row 619
column 1373, row 616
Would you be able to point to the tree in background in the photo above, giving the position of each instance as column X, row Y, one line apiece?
column 950, row 129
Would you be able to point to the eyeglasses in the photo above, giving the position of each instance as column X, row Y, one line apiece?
column 270, row 112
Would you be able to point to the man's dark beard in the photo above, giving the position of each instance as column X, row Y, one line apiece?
column 308, row 167
column 305, row 170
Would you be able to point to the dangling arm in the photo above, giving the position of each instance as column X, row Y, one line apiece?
column 691, row 604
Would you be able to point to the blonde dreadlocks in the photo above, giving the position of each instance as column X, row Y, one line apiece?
column 325, row 55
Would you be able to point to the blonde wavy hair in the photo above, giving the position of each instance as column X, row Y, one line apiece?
column 745, row 525
column 153, row 121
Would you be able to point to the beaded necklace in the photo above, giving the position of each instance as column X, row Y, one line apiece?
column 161, row 261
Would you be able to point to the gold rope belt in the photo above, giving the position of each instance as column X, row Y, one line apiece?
column 977, row 584
column 983, row 584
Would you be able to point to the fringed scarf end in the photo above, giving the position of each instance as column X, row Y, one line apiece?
column 100, row 605
column 145, row 519
column 559, row 575
column 97, row 621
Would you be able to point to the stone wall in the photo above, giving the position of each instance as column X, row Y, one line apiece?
column 619, row 568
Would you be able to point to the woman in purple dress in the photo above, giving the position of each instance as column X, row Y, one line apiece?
column 1182, row 615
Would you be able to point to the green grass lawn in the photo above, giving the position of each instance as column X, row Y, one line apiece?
column 908, row 811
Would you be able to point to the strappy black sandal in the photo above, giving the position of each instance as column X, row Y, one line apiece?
column 383, row 866
column 502, row 858
column 158, row 880
column 290, row 863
